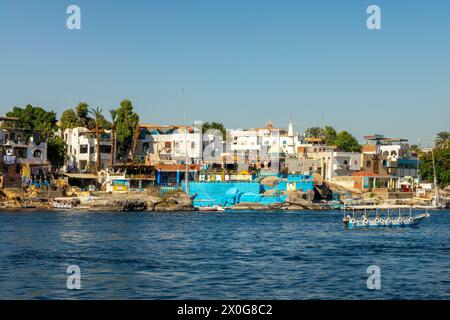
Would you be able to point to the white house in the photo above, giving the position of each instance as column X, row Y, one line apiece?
column 17, row 150
column 82, row 148
column 252, row 145
column 169, row 144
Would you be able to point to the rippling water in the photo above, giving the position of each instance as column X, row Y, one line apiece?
column 251, row 255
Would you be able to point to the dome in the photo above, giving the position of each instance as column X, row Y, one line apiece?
column 276, row 150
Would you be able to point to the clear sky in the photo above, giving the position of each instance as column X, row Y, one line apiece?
column 241, row 62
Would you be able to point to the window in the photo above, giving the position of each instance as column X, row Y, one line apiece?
column 368, row 163
column 83, row 149
column 91, row 150
column 22, row 153
column 192, row 145
column 37, row 154
column 345, row 162
column 105, row 149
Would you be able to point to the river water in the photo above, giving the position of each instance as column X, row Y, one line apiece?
column 245, row 255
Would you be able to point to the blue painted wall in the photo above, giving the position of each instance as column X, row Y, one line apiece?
column 229, row 193
column 215, row 193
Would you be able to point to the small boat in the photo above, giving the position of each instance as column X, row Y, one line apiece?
column 211, row 208
column 63, row 203
column 370, row 217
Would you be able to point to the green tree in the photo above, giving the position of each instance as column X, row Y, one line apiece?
column 97, row 113
column 346, row 142
column 314, row 132
column 56, row 152
column 442, row 139
column 32, row 118
column 82, row 111
column 69, row 119
column 127, row 121
column 215, row 125
column 442, row 163
column 330, row 135
column 103, row 123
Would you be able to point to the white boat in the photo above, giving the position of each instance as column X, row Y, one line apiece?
column 65, row 203
column 211, row 208
column 370, row 217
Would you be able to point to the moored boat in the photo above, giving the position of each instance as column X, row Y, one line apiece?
column 370, row 217
column 64, row 203
column 211, row 208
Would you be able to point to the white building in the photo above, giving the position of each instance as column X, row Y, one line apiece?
column 252, row 145
column 333, row 163
column 82, row 148
column 17, row 150
column 169, row 144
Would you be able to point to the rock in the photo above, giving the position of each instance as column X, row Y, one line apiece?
column 118, row 205
column 276, row 206
column 310, row 195
column 152, row 202
column 134, row 205
column 174, row 201
column 297, row 198
column 295, row 207
column 270, row 181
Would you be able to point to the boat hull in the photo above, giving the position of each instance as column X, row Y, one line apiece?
column 385, row 223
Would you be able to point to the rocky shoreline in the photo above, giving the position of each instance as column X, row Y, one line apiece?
column 171, row 201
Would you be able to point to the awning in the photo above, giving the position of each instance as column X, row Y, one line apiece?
column 80, row 175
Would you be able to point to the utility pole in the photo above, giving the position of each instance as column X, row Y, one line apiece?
column 186, row 174
column 436, row 192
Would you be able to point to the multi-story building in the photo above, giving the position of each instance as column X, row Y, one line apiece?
column 82, row 149
column 169, row 144
column 258, row 144
column 393, row 154
column 23, row 156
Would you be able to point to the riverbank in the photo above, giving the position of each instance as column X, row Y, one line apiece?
column 99, row 201
column 171, row 201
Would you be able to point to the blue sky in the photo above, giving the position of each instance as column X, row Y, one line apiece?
column 240, row 62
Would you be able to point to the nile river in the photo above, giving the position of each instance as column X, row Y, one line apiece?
column 251, row 255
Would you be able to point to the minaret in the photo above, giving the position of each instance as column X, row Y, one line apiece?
column 291, row 142
column 291, row 128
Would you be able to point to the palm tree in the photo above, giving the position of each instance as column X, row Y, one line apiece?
column 97, row 113
column 113, row 114
column 442, row 139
